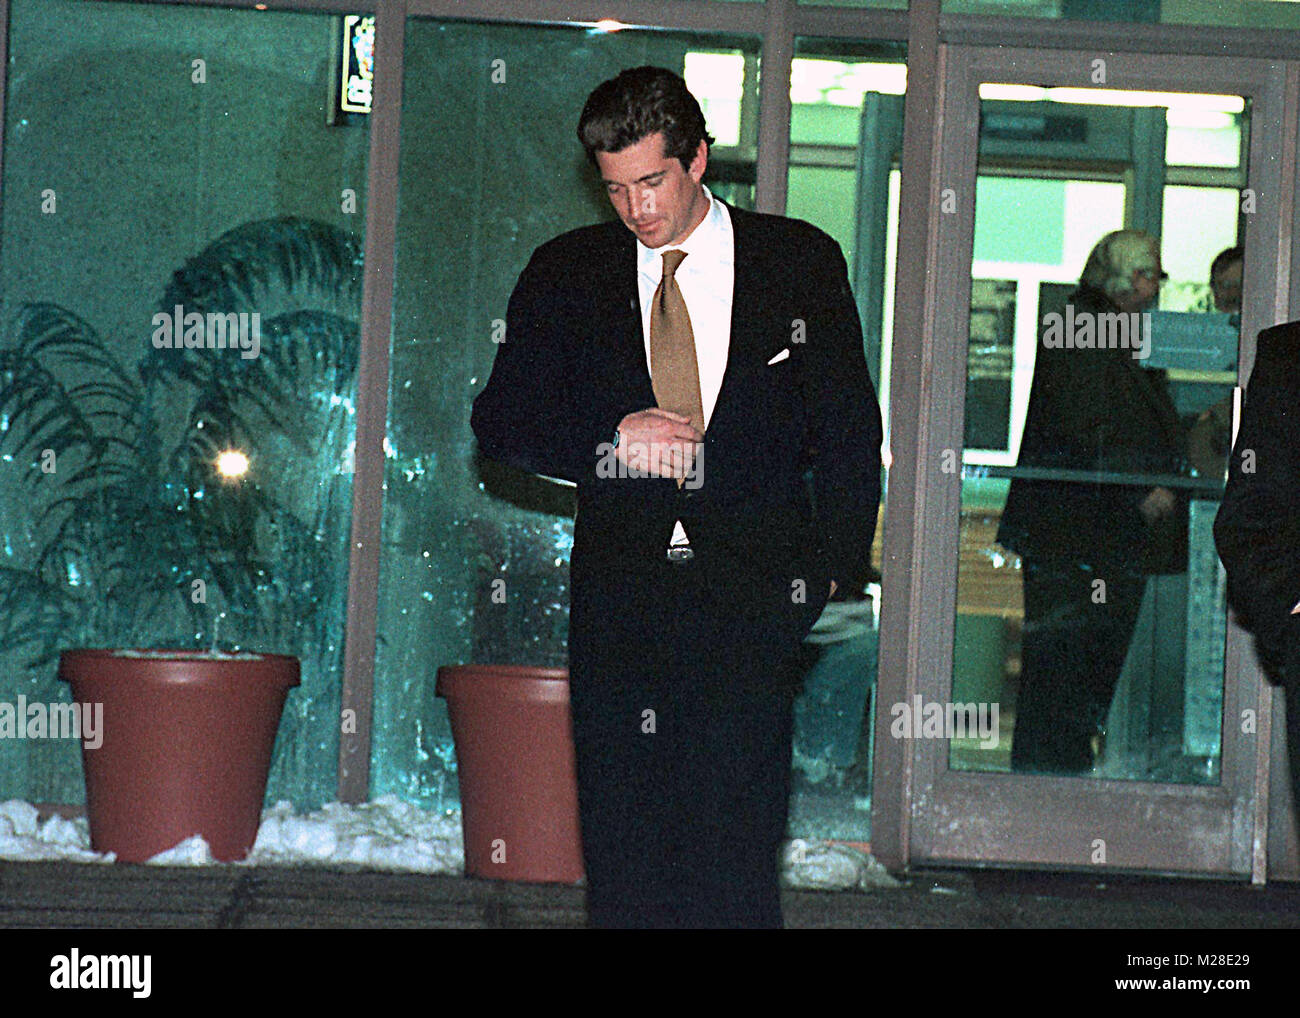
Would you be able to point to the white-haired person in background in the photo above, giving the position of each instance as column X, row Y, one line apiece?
column 1087, row 547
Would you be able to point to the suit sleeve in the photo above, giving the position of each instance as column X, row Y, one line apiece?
column 843, row 418
column 1255, row 531
column 526, row 414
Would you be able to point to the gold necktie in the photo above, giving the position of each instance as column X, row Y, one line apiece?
column 674, row 370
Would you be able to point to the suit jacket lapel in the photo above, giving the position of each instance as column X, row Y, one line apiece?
column 747, row 297
column 620, row 308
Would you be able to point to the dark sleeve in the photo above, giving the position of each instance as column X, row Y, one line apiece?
column 526, row 415
column 1256, row 528
column 843, row 418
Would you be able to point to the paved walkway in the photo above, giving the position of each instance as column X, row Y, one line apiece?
column 97, row 896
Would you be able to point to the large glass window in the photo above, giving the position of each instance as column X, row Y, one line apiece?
column 491, row 169
column 162, row 485
column 846, row 128
column 1090, row 603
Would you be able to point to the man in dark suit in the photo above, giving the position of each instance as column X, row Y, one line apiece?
column 692, row 399
column 1257, row 531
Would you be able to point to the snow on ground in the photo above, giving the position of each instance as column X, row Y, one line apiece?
column 385, row 834
column 827, row 866
column 23, row 836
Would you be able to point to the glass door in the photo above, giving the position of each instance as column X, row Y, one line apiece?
column 1070, row 702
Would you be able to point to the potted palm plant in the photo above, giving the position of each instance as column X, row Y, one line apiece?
column 182, row 501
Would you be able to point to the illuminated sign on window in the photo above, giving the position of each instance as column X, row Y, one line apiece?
column 358, row 65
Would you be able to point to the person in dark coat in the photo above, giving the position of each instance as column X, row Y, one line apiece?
column 1087, row 545
column 701, row 557
column 1257, row 531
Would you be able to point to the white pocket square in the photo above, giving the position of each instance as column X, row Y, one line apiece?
column 780, row 357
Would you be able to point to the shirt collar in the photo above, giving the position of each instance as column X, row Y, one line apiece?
column 707, row 242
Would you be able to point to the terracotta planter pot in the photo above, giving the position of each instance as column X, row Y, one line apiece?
column 514, row 757
column 186, row 746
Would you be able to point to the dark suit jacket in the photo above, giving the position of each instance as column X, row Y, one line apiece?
column 573, row 365
column 1257, row 531
column 1096, row 410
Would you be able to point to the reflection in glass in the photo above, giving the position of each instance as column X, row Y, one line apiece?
column 1090, row 602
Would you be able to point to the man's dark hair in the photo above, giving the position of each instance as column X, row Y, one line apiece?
column 1225, row 258
column 639, row 102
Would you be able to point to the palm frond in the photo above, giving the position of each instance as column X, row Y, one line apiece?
column 119, row 536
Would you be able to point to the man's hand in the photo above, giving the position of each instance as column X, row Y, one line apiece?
column 1158, row 504
column 832, row 588
column 659, row 442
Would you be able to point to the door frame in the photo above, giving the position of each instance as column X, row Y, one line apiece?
column 948, row 817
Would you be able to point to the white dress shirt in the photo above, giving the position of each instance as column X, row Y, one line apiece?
column 706, row 277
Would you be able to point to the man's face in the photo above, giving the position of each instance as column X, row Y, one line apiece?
column 1145, row 289
column 1226, row 286
column 656, row 199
